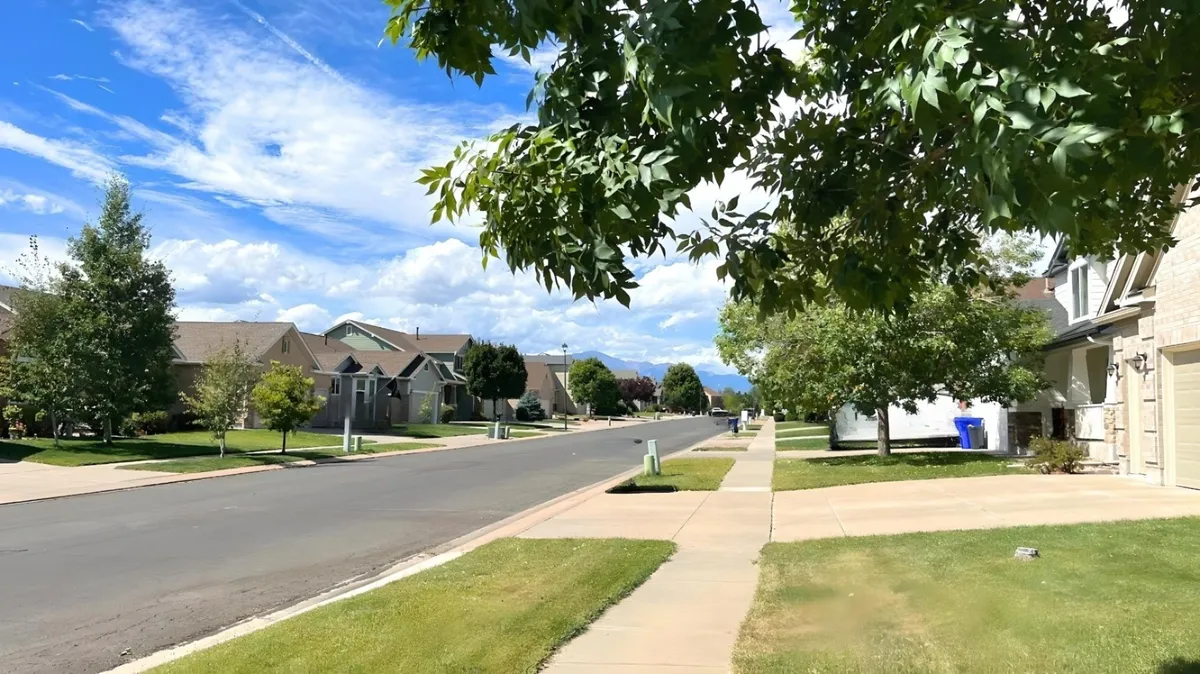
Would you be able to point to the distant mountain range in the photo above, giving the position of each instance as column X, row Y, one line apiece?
column 656, row 371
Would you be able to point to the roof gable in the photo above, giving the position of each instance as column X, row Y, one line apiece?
column 198, row 341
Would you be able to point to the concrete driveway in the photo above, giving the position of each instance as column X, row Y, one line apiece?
column 972, row 503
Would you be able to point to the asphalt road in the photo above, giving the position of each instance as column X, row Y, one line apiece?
column 84, row 578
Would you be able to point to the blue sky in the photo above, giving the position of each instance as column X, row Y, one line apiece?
column 273, row 146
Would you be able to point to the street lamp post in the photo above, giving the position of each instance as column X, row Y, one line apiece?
column 565, row 399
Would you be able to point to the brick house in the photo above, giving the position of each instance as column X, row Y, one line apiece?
column 1151, row 310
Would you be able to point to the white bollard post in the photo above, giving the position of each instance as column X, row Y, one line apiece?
column 346, row 437
column 652, row 448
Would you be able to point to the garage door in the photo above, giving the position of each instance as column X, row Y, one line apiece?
column 1186, row 399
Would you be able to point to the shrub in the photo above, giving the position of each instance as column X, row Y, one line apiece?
column 529, row 408
column 144, row 423
column 791, row 416
column 182, row 421
column 1056, row 456
column 779, row 417
column 447, row 414
column 425, row 411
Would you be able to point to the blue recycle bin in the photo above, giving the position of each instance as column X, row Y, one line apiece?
column 964, row 435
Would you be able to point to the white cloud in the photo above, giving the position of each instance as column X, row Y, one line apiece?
column 308, row 317
column 37, row 204
column 283, row 37
column 678, row 317
column 84, row 25
column 540, row 59
column 63, row 77
column 261, row 126
column 80, row 159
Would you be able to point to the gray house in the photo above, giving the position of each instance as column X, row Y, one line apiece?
column 445, row 353
column 374, row 388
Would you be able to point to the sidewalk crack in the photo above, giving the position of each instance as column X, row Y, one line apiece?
column 689, row 518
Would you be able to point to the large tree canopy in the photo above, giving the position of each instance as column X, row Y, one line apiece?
column 929, row 124
column 973, row 347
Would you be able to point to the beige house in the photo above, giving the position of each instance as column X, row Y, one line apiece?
column 560, row 368
column 715, row 399
column 1150, row 310
column 197, row 342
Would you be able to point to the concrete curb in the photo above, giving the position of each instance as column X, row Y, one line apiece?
column 434, row 557
column 155, row 481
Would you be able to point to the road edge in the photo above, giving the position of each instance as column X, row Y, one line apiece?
column 436, row 556
column 155, row 481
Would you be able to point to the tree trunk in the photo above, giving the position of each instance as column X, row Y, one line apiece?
column 54, row 426
column 222, row 445
column 283, row 449
column 885, row 434
column 107, row 431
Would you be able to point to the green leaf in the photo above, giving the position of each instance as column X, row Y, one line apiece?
column 1066, row 89
column 1059, row 159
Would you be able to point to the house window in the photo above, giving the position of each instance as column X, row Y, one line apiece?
column 371, row 390
column 360, row 385
column 335, row 386
column 286, row 346
column 1079, row 292
column 349, row 330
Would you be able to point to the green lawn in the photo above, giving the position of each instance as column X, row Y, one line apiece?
column 500, row 609
column 1104, row 598
column 687, row 474
column 791, row 425
column 816, row 442
column 811, row 432
column 721, row 448
column 82, row 452
column 437, row 430
column 204, row 464
column 793, row 474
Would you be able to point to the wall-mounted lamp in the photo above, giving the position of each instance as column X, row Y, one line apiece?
column 1114, row 370
column 1139, row 362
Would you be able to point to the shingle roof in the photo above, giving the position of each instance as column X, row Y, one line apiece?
column 319, row 344
column 437, row 343
column 426, row 343
column 393, row 363
column 6, row 293
column 199, row 341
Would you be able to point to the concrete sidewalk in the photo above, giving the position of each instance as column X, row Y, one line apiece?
column 685, row 618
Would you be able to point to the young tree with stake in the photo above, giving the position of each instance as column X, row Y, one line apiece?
column 284, row 399
column 223, row 391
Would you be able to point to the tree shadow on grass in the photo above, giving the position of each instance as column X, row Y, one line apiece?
column 914, row 459
column 1179, row 666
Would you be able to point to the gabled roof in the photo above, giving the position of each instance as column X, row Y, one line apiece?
column 319, row 344
column 625, row 374
column 197, row 341
column 549, row 359
column 390, row 363
column 406, row 341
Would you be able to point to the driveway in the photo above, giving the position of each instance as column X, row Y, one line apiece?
column 972, row 503
column 89, row 576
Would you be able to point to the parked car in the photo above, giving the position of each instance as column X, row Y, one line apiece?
column 717, row 412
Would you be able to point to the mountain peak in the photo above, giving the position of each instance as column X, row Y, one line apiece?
column 657, row 370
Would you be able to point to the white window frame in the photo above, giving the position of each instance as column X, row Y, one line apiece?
column 1077, row 278
column 335, row 386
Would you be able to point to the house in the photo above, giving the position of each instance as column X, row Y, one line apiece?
column 374, row 388
column 1077, row 360
column 714, row 398
column 196, row 342
column 540, row 381
column 560, row 368
column 1149, row 314
column 445, row 353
